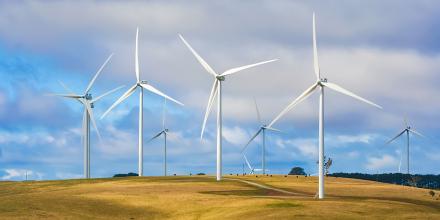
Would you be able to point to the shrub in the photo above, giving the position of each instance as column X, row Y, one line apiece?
column 297, row 171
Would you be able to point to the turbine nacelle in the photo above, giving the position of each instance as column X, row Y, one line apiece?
column 88, row 96
column 220, row 78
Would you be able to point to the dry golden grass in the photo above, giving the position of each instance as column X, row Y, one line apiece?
column 201, row 197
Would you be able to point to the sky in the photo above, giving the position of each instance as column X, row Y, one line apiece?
column 385, row 51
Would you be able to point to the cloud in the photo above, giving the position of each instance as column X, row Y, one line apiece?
column 20, row 174
column 235, row 135
column 344, row 140
column 305, row 146
column 381, row 162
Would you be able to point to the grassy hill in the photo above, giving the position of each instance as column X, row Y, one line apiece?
column 201, row 197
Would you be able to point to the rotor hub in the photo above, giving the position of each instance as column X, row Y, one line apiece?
column 166, row 129
column 220, row 78
column 324, row 80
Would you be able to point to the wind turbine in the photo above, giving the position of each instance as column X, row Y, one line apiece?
column 407, row 130
column 251, row 170
column 142, row 84
column 164, row 131
column 217, row 90
column 320, row 84
column 262, row 130
column 88, row 102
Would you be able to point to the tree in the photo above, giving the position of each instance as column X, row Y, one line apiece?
column 297, row 171
column 432, row 193
column 327, row 165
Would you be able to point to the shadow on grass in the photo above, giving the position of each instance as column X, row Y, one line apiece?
column 284, row 204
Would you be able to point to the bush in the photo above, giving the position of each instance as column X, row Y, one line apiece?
column 297, row 171
column 201, row 174
column 432, row 193
column 125, row 175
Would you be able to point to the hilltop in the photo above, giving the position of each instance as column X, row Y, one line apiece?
column 201, row 197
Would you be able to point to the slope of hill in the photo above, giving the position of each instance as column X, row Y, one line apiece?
column 201, row 197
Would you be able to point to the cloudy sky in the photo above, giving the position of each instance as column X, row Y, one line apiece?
column 386, row 51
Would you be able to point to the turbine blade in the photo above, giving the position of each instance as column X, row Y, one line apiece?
column 394, row 138
column 155, row 136
column 106, row 94
column 237, row 69
column 136, row 56
column 273, row 129
column 208, row 107
column 346, row 92
column 315, row 52
column 198, row 57
column 73, row 96
column 253, row 137
column 258, row 112
column 122, row 98
column 298, row 100
column 65, row 87
column 157, row 92
column 417, row 133
column 97, row 74
column 92, row 118
column 248, row 164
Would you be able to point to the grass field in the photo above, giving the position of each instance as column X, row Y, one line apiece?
column 201, row 197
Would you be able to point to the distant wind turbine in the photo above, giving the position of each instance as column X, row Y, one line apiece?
column 320, row 84
column 164, row 131
column 407, row 130
column 262, row 130
column 88, row 102
column 251, row 170
column 142, row 84
column 217, row 90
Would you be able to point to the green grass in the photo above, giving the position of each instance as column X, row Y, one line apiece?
column 201, row 197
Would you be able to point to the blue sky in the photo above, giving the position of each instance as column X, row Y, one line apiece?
column 387, row 52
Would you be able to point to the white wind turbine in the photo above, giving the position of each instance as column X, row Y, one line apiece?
column 320, row 84
column 262, row 130
column 141, row 84
column 407, row 130
column 251, row 170
column 88, row 102
column 217, row 90
column 164, row 131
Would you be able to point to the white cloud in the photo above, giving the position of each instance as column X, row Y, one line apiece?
column 353, row 154
column 344, row 140
column 306, row 146
column 235, row 135
column 381, row 162
column 20, row 174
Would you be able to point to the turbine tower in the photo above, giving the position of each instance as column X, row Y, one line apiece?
column 141, row 84
column 262, row 130
column 164, row 131
column 88, row 102
column 217, row 91
column 407, row 130
column 320, row 84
